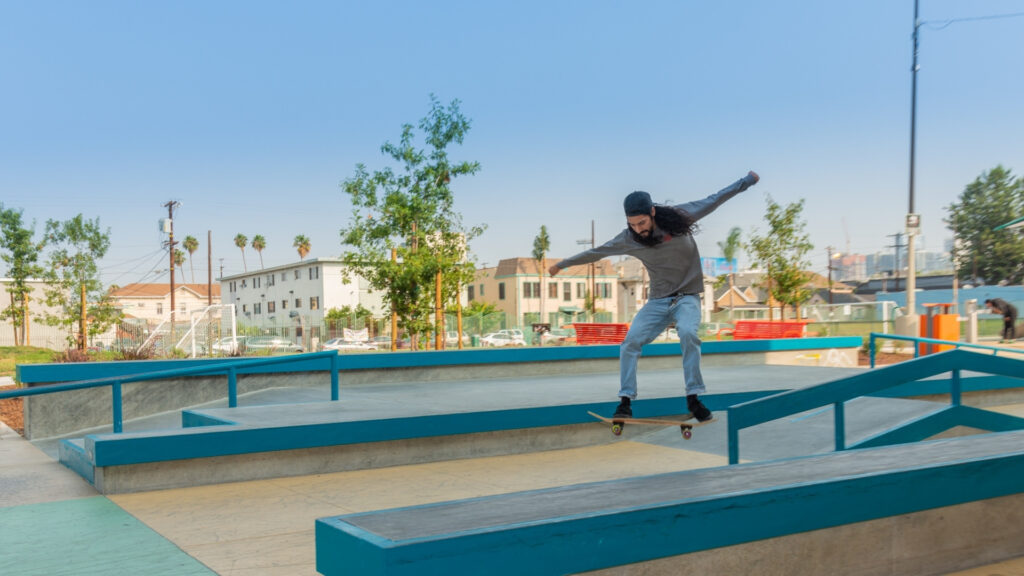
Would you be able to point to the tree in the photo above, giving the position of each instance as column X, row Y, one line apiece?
column 258, row 244
column 409, row 211
column 190, row 244
column 993, row 199
column 783, row 250
column 179, row 262
column 541, row 245
column 730, row 247
column 73, row 284
column 301, row 244
column 240, row 242
column 21, row 255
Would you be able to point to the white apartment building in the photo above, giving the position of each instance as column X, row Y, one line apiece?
column 308, row 288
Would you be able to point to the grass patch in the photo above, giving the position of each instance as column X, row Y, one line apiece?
column 10, row 356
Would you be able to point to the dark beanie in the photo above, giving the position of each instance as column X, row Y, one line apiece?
column 638, row 203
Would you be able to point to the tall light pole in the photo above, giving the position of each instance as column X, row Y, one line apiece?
column 913, row 220
column 831, row 255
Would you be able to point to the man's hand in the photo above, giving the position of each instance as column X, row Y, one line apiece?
column 554, row 270
column 754, row 174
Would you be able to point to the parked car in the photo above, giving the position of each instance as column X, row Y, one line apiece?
column 558, row 337
column 500, row 339
column 343, row 345
column 228, row 345
column 451, row 338
column 513, row 332
column 272, row 344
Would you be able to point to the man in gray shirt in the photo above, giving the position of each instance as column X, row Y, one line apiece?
column 661, row 237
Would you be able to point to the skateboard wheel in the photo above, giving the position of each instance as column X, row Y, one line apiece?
column 617, row 429
column 687, row 433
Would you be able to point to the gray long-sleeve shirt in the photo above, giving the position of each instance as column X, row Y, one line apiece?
column 674, row 264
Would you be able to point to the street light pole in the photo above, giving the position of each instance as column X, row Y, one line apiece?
column 913, row 220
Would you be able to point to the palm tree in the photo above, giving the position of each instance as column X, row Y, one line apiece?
column 241, row 241
column 258, row 244
column 179, row 261
column 729, row 249
column 191, row 245
column 541, row 245
column 302, row 245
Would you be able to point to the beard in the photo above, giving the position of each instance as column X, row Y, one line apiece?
column 650, row 240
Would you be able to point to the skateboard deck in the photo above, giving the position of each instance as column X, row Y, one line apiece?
column 686, row 423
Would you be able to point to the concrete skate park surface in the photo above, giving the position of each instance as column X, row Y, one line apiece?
column 267, row 526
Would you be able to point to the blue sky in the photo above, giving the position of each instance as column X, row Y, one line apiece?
column 250, row 114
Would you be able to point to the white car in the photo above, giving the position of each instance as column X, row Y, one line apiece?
column 500, row 339
column 228, row 345
column 341, row 344
column 451, row 338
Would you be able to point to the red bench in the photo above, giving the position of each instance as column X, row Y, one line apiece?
column 764, row 329
column 598, row 333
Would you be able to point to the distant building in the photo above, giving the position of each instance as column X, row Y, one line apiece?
column 152, row 301
column 308, row 288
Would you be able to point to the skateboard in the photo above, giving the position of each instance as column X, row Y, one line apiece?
column 685, row 425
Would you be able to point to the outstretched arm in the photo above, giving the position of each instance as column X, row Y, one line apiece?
column 701, row 208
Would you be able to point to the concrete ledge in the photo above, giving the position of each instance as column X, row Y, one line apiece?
column 53, row 415
column 137, row 461
column 645, row 519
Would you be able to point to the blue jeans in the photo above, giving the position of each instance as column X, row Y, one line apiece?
column 650, row 321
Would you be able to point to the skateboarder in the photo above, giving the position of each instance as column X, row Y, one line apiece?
column 1009, row 313
column 661, row 237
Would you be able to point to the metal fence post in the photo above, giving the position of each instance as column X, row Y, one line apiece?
column 115, row 389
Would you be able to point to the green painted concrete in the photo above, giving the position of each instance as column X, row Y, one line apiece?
column 84, row 537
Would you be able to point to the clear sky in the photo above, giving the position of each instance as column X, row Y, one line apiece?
column 251, row 113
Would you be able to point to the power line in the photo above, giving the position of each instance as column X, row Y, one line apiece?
column 943, row 24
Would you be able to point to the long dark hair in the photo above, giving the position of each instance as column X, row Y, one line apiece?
column 671, row 220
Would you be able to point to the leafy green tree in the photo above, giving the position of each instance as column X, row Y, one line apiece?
column 301, row 243
column 410, row 209
column 240, row 241
column 783, row 251
column 994, row 198
column 482, row 317
column 541, row 246
column 21, row 254
column 190, row 245
column 258, row 244
column 730, row 247
column 73, row 284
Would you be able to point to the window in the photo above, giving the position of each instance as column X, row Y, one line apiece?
column 244, row 284
column 481, row 290
column 604, row 289
column 284, row 304
column 256, row 282
column 232, row 286
column 531, row 289
column 159, row 308
column 552, row 289
column 469, row 292
column 271, row 307
column 256, row 308
column 298, row 302
column 567, row 291
column 298, row 274
column 284, row 276
column 581, row 289
column 245, row 308
column 314, row 273
column 314, row 302
column 270, row 279
column 501, row 291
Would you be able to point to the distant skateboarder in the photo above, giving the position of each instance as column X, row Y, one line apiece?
column 1009, row 313
column 661, row 237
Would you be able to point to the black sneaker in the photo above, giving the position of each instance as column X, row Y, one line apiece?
column 624, row 410
column 697, row 408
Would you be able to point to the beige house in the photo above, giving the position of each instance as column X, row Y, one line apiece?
column 152, row 302
column 514, row 286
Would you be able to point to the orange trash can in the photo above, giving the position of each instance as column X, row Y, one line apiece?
column 938, row 324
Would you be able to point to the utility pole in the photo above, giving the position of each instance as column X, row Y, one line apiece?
column 171, row 205
column 913, row 220
column 593, row 307
column 896, row 266
column 209, row 268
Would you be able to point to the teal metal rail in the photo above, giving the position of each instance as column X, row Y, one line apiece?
column 870, row 382
column 230, row 368
column 921, row 340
